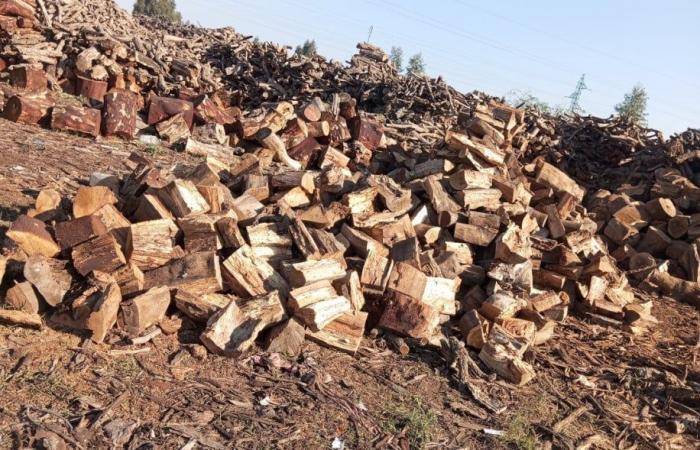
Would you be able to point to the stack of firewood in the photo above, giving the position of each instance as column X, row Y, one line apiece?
column 319, row 225
column 654, row 232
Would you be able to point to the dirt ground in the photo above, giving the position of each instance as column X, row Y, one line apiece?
column 596, row 387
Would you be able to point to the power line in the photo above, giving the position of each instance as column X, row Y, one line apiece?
column 575, row 97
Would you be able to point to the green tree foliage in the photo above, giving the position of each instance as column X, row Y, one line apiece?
column 165, row 9
column 308, row 48
column 634, row 106
column 525, row 99
column 416, row 65
column 396, row 58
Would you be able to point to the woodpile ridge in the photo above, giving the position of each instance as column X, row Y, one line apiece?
column 331, row 202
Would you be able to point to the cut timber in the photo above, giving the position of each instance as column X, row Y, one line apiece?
column 407, row 280
column 619, row 232
column 513, row 246
column 17, row 8
column 685, row 291
column 101, row 310
column 200, row 307
column 27, row 110
column 234, row 328
column 246, row 208
column 319, row 314
column 183, row 199
column 32, row 237
column 47, row 200
column 248, row 275
column 92, row 89
column 22, row 297
column 28, row 78
column 474, row 328
column 173, row 129
column 271, row 241
column 85, row 121
column 144, row 311
column 162, row 108
column 344, row 333
column 20, row 319
column 633, row 215
column 129, row 278
column 366, row 131
column 119, row 114
column 351, row 287
column 441, row 293
column 654, row 241
column 661, row 209
column 115, row 222
column 554, row 222
column 408, row 317
column 361, row 243
column 49, row 277
column 101, row 253
column 470, row 179
column 74, row 232
column 230, row 233
column 307, row 272
column 89, row 200
column 198, row 273
column 150, row 244
column 501, row 305
column 438, row 196
column 502, row 353
column 294, row 178
column 475, row 235
column 479, row 198
column 461, row 143
column 304, row 296
column 375, row 274
column 287, row 338
column 678, row 226
column 272, row 141
column 553, row 178
column 212, row 133
column 200, row 233
column 151, row 208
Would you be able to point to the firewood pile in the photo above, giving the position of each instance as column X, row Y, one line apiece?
column 319, row 225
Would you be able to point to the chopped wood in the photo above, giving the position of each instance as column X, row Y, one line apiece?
column 145, row 310
column 32, row 237
column 198, row 273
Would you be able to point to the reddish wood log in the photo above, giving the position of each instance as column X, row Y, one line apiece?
column 92, row 89
column 368, row 132
column 27, row 110
column 162, row 108
column 76, row 119
column 207, row 111
column 16, row 8
column 29, row 78
column 119, row 114
column 307, row 152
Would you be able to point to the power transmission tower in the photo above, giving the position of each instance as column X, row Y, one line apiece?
column 575, row 107
column 369, row 35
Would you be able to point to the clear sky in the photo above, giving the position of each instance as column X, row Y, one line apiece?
column 539, row 46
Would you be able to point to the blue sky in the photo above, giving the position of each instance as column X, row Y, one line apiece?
column 540, row 46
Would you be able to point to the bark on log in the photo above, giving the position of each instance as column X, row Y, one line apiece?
column 85, row 121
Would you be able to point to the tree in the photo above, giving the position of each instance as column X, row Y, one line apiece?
column 416, row 66
column 165, row 9
column 525, row 99
column 396, row 58
column 634, row 106
column 308, row 48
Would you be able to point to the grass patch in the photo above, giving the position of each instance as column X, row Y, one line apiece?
column 152, row 150
column 520, row 433
column 415, row 419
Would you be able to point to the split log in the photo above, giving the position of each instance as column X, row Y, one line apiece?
column 501, row 305
column 344, row 333
column 375, row 274
column 150, row 244
column 319, row 314
column 308, row 272
column 248, row 275
column 198, row 273
column 234, row 328
column 502, row 353
column 272, row 141
column 200, row 233
column 22, row 297
column 286, row 338
column 555, row 179
column 144, row 311
column 475, row 329
column 130, row 279
column 21, row 319
column 366, row 131
column 409, row 317
column 173, row 129
column 475, row 235
column 101, row 253
column 201, row 307
column 89, row 200
column 183, row 199
column 74, row 232
column 18, row 8
column 162, row 108
column 32, row 237
column 98, row 313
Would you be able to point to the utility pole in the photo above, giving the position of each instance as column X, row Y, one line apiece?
column 575, row 107
column 369, row 35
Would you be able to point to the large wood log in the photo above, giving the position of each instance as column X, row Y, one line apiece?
column 92, row 89
column 22, row 297
column 89, row 200
column 145, row 310
column 101, row 253
column 119, row 114
column 183, row 199
column 198, row 273
column 85, row 121
column 344, row 333
column 31, row 111
column 32, row 237
column 150, row 244
column 29, row 78
column 76, row 231
column 162, row 108
column 17, row 8
column 409, row 317
column 248, row 275
column 234, row 328
column 198, row 307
